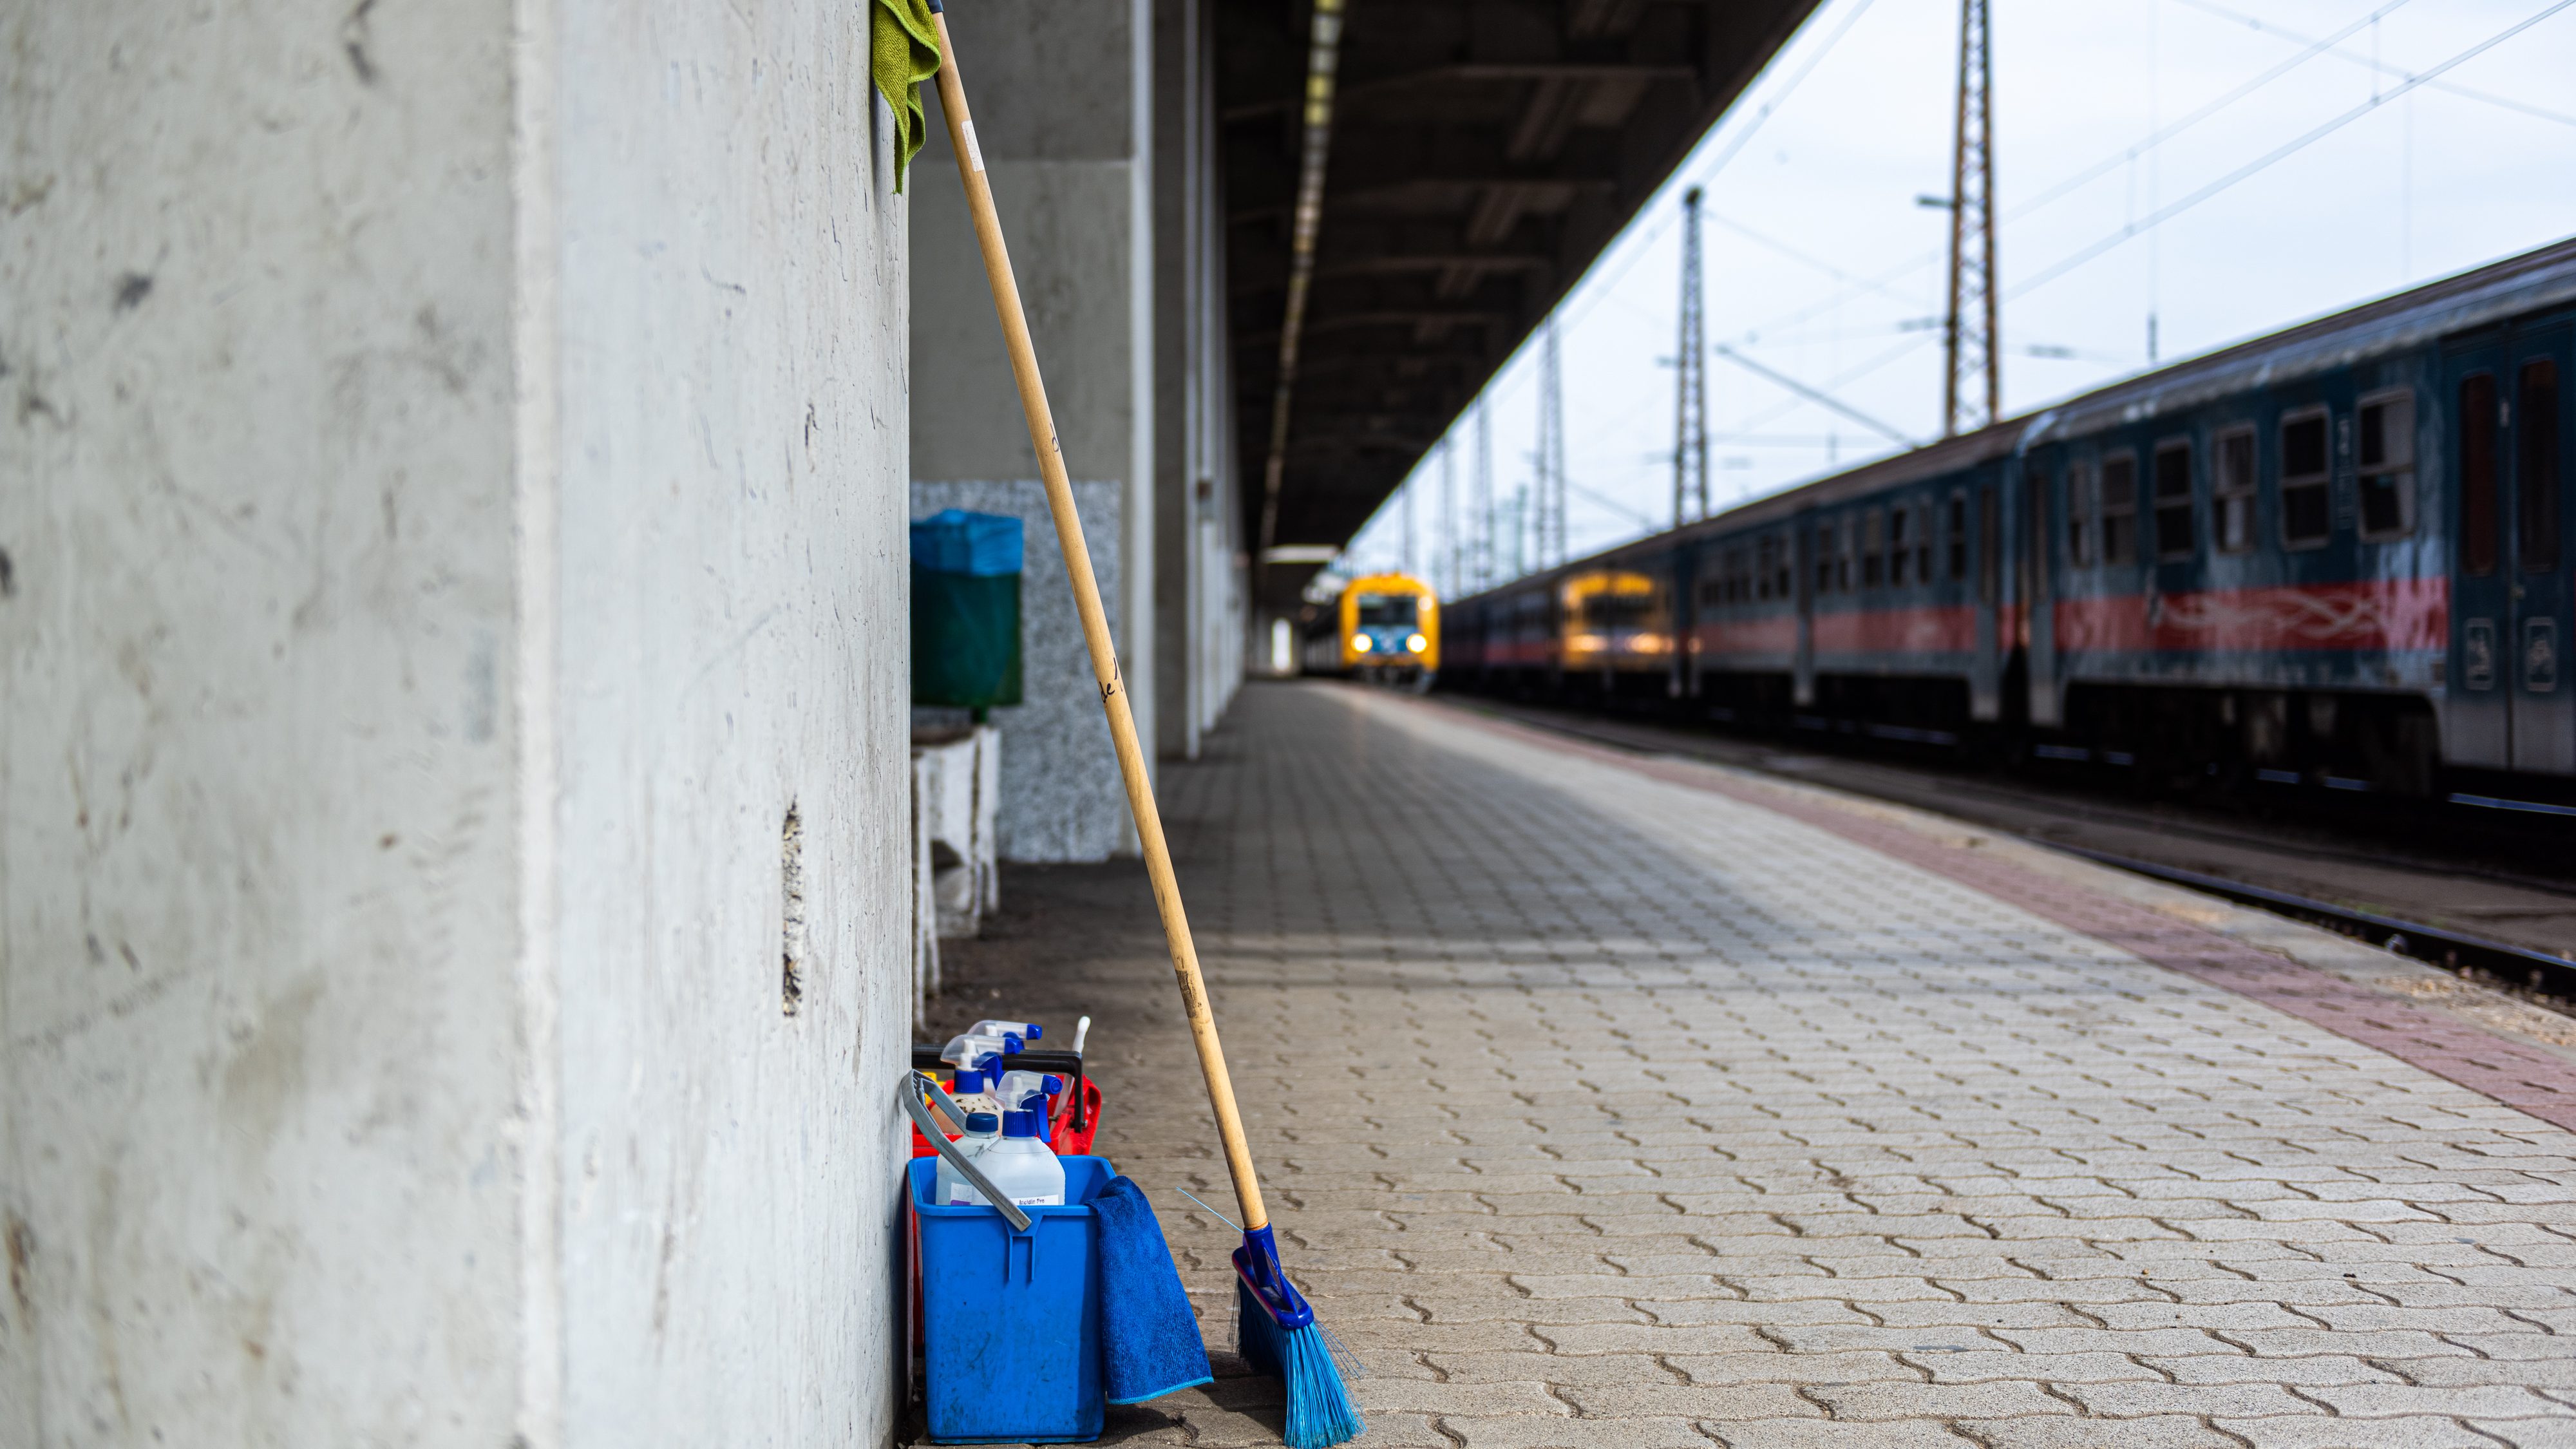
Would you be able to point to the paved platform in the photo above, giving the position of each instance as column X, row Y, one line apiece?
column 1624, row 1102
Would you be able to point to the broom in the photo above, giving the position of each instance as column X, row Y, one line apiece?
column 1279, row 1332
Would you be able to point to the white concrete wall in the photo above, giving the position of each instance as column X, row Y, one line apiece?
column 1063, row 104
column 1061, row 799
column 455, row 507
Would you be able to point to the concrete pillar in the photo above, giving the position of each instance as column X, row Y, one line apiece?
column 452, row 895
column 1062, row 116
column 1198, row 622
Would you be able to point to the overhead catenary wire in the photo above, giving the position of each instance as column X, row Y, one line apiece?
column 2257, row 23
column 2279, row 153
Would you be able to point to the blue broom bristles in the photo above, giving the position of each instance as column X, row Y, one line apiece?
column 1276, row 1332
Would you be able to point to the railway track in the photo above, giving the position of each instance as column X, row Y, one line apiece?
column 2496, row 902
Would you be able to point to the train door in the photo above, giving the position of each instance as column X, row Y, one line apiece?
column 2039, row 622
column 2543, row 697
column 1802, row 577
column 1681, row 617
column 1986, row 694
column 2511, row 704
column 2477, row 709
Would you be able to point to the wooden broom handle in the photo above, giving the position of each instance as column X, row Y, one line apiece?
column 1095, row 627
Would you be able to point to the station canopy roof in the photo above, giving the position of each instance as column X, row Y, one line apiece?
column 1483, row 153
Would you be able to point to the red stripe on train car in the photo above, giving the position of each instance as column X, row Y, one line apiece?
column 1775, row 635
column 1933, row 630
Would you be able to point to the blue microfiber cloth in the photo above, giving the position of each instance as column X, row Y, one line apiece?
column 1149, row 1339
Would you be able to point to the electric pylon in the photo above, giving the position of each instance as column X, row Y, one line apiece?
column 1550, row 504
column 1447, row 555
column 1690, row 359
column 1972, row 392
column 1482, row 485
column 1404, row 500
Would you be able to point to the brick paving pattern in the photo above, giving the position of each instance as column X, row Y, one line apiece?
column 2538, row 1083
column 1599, row 1108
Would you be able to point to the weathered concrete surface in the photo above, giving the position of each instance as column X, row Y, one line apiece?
column 1063, row 106
column 1061, row 799
column 455, row 465
column 1595, row 1108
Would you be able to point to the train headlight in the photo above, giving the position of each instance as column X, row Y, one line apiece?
column 1415, row 643
column 1361, row 643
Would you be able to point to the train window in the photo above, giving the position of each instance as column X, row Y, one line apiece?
column 2386, row 467
column 1990, row 546
column 1900, row 546
column 1843, row 565
column 2079, row 515
column 2539, row 470
column 1826, row 551
column 2120, row 508
column 2307, row 513
column 2175, row 531
column 1784, row 583
column 1762, row 569
column 1958, row 537
column 1386, row 611
column 1873, row 539
column 2478, row 516
column 2232, row 491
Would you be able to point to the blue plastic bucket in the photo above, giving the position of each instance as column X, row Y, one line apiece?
column 1010, row 1322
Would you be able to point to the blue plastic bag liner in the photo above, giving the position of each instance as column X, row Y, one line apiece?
column 1149, row 1338
column 980, row 545
column 1010, row 1322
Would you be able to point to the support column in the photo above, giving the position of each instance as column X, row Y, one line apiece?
column 452, row 792
column 1063, row 112
column 1198, row 534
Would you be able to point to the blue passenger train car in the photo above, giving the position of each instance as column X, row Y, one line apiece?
column 2338, row 555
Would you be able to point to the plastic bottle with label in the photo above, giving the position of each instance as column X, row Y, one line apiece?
column 1019, row 1165
column 983, row 1129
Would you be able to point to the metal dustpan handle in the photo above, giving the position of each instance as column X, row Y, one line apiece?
column 909, row 1094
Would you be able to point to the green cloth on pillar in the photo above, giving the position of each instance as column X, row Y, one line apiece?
column 904, row 51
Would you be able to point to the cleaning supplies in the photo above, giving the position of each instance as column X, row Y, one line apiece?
column 983, row 1129
column 1018, row 1086
column 973, row 1049
column 1320, row 1411
column 1026, row 1031
column 1033, row 1092
column 968, row 1091
column 1149, row 1338
column 1019, row 1167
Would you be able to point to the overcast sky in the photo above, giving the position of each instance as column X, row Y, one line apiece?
column 1822, row 265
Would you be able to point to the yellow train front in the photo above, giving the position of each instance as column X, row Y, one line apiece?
column 1387, row 629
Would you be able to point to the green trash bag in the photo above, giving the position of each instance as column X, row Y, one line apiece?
column 965, row 639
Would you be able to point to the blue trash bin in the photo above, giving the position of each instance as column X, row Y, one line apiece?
column 1011, row 1321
